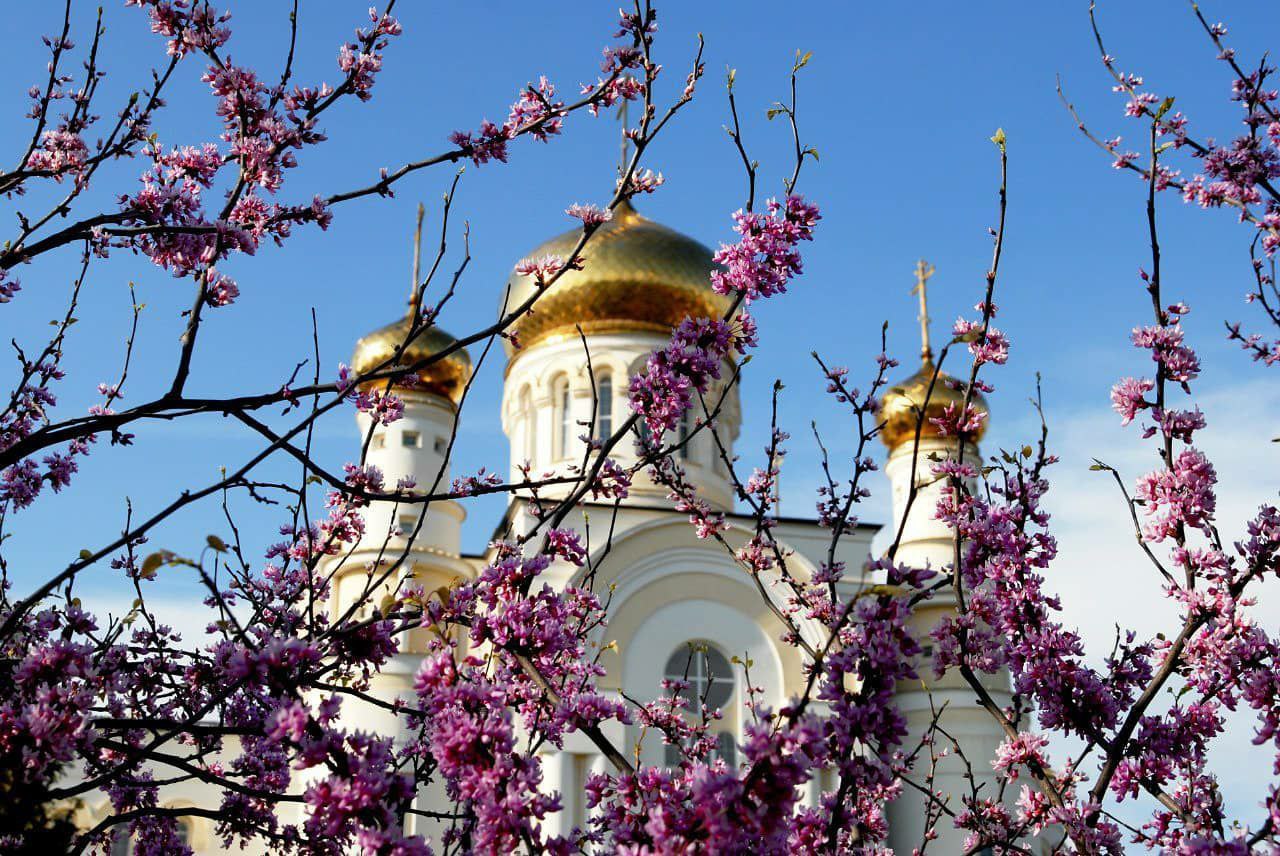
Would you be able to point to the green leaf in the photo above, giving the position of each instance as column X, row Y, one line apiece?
column 1097, row 468
column 151, row 564
column 1026, row 451
column 733, row 76
column 1165, row 106
column 86, row 555
column 802, row 60
column 813, row 153
column 999, row 138
column 771, row 113
column 216, row 543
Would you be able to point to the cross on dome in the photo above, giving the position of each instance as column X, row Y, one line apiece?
column 924, row 270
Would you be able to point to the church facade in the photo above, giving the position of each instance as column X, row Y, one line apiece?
column 674, row 602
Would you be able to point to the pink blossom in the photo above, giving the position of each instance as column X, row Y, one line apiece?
column 1025, row 750
column 590, row 215
column 1178, row 497
column 1127, row 397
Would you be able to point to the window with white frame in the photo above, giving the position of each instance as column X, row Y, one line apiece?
column 564, row 418
column 707, row 671
column 524, row 413
column 711, row 682
column 604, row 407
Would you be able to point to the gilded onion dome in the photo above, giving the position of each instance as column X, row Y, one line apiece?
column 637, row 275
column 911, row 404
column 446, row 377
column 905, row 402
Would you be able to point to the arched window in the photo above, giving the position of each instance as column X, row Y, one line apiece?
column 564, row 418
column 726, row 748
column 525, row 416
column 707, row 671
column 711, row 681
column 604, row 407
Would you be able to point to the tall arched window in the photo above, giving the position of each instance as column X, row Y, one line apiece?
column 604, row 407
column 708, row 672
column 525, row 415
column 564, row 418
column 711, row 682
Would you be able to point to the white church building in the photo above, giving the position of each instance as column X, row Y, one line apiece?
column 669, row 590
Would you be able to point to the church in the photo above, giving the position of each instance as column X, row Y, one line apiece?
column 674, row 601
column 673, row 596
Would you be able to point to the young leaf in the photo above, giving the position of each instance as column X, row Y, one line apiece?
column 151, row 564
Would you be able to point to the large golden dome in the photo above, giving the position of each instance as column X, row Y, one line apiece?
column 903, row 403
column 446, row 377
column 637, row 275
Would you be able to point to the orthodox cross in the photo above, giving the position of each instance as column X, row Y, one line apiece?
column 415, row 298
column 622, row 118
column 924, row 270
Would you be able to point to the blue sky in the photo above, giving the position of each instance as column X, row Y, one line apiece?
column 899, row 99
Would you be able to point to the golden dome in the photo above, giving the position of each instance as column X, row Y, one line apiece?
column 637, row 275
column 446, row 377
column 900, row 410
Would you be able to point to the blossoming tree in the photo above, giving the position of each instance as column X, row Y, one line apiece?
column 125, row 706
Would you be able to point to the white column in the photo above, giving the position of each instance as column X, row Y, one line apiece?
column 558, row 776
column 927, row 541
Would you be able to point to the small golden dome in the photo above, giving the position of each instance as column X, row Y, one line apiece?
column 447, row 377
column 900, row 410
column 637, row 275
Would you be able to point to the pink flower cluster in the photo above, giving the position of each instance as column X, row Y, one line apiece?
column 590, row 215
column 766, row 257
column 1180, row 496
column 361, row 60
column 535, row 112
column 382, row 405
